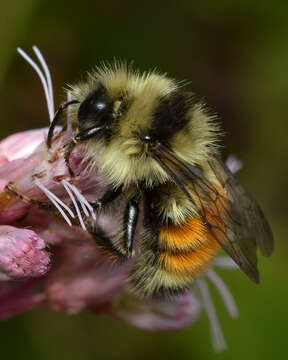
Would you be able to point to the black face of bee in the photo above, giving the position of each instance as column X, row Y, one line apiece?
column 96, row 116
column 94, row 112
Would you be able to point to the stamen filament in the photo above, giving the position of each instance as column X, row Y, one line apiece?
column 216, row 332
column 48, row 76
column 224, row 292
column 68, row 112
column 66, row 186
column 225, row 262
column 57, row 202
column 43, row 81
column 83, row 201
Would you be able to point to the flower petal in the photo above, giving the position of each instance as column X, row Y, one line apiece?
column 156, row 314
column 19, row 297
column 22, row 144
column 84, row 278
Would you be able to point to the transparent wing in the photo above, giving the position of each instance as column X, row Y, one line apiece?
column 231, row 214
column 246, row 208
column 247, row 227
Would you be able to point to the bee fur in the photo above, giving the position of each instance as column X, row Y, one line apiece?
column 150, row 137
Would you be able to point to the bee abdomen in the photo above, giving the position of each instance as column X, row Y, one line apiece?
column 190, row 235
column 188, row 248
column 191, row 262
column 184, row 252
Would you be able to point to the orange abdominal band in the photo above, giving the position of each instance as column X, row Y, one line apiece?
column 184, row 237
column 189, row 261
column 190, row 247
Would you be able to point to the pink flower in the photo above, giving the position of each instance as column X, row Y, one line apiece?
column 22, row 254
column 80, row 275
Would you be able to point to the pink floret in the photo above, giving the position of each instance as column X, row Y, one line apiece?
column 22, row 254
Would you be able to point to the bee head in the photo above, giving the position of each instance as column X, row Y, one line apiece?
column 124, row 118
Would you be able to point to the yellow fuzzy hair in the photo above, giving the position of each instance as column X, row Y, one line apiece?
column 123, row 160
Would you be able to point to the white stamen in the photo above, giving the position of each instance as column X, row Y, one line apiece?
column 84, row 203
column 68, row 112
column 76, row 192
column 66, row 186
column 234, row 164
column 224, row 292
column 59, row 208
column 50, row 106
column 225, row 262
column 48, row 75
column 55, row 198
column 77, row 195
column 216, row 332
column 57, row 202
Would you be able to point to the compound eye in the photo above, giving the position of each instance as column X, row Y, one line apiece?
column 94, row 108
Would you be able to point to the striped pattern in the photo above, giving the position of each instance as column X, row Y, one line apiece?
column 188, row 249
column 172, row 259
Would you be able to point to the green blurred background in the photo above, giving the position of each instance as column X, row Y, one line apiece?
column 236, row 55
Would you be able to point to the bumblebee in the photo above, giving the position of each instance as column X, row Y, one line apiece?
column 159, row 149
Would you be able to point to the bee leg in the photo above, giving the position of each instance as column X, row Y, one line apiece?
column 42, row 204
column 68, row 150
column 130, row 222
column 56, row 119
column 105, row 243
column 80, row 137
column 108, row 197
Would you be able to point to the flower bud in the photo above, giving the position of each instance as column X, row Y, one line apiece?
column 22, row 254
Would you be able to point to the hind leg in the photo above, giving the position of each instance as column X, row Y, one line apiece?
column 42, row 204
